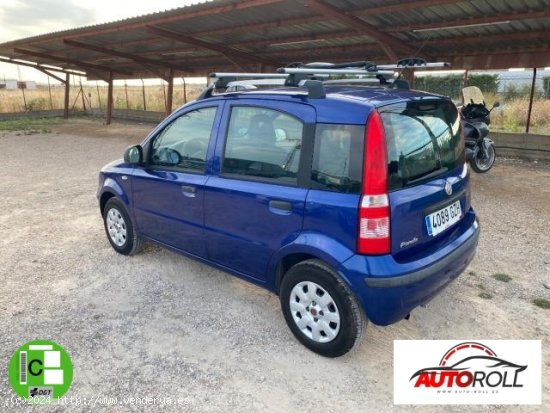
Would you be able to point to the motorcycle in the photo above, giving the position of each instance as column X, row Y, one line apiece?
column 480, row 150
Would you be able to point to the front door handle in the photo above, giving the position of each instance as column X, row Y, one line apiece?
column 280, row 206
column 189, row 191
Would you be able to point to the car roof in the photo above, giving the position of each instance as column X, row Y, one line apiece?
column 343, row 104
column 346, row 104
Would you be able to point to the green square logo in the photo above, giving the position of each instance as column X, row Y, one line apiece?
column 40, row 369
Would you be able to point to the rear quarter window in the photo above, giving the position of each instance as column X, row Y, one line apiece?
column 338, row 158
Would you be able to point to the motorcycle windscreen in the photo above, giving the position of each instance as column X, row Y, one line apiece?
column 472, row 95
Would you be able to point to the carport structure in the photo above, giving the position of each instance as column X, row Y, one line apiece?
column 261, row 35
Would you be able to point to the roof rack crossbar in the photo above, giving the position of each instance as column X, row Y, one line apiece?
column 332, row 71
column 315, row 88
column 414, row 66
column 223, row 79
column 247, row 75
column 321, row 65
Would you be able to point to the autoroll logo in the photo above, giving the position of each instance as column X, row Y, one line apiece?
column 468, row 372
column 470, row 365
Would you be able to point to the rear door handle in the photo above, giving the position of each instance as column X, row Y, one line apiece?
column 189, row 191
column 280, row 206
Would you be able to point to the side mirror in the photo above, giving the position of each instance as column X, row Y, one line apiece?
column 134, row 155
column 496, row 105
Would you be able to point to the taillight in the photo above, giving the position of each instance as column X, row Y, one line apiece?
column 374, row 210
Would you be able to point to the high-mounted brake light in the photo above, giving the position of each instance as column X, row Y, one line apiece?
column 374, row 211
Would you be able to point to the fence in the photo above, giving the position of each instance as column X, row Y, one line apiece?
column 84, row 97
column 511, row 88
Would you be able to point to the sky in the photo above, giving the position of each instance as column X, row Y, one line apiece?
column 25, row 18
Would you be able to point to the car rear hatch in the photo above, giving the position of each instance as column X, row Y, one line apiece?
column 427, row 180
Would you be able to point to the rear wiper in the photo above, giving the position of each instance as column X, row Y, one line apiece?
column 432, row 174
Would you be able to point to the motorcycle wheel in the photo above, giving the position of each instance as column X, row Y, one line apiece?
column 481, row 163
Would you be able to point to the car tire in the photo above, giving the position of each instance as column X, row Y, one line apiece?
column 320, row 309
column 119, row 228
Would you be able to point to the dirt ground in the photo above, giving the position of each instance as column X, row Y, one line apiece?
column 161, row 325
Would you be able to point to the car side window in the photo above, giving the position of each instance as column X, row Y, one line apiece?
column 338, row 158
column 263, row 143
column 184, row 143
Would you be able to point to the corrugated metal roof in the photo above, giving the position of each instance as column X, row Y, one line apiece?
column 232, row 34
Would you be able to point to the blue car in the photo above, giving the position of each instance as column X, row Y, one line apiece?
column 349, row 202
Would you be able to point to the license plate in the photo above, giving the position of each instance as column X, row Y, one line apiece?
column 439, row 221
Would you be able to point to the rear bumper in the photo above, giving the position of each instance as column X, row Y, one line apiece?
column 390, row 290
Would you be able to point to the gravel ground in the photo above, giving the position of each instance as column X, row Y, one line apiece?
column 162, row 325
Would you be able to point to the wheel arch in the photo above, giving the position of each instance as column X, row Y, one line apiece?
column 306, row 247
column 111, row 188
column 104, row 199
column 286, row 263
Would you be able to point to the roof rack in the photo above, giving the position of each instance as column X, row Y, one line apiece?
column 414, row 63
column 332, row 71
column 312, row 76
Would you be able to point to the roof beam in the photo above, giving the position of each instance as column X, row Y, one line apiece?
column 387, row 42
column 48, row 73
column 352, row 52
column 345, row 34
column 172, row 51
column 77, row 63
column 490, row 60
column 402, row 6
column 45, row 70
column 261, row 26
column 227, row 51
column 98, row 75
column 170, row 18
column 492, row 52
column 501, row 37
column 471, row 21
column 314, row 19
column 485, row 59
column 138, row 59
column 260, row 43
column 369, row 11
column 357, row 53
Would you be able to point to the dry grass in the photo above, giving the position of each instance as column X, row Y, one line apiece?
column 512, row 116
column 39, row 99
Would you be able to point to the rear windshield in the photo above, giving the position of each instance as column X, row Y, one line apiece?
column 423, row 141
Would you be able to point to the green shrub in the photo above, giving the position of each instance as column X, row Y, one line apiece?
column 37, row 104
column 546, row 87
column 29, row 125
column 487, row 83
column 451, row 85
column 502, row 277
